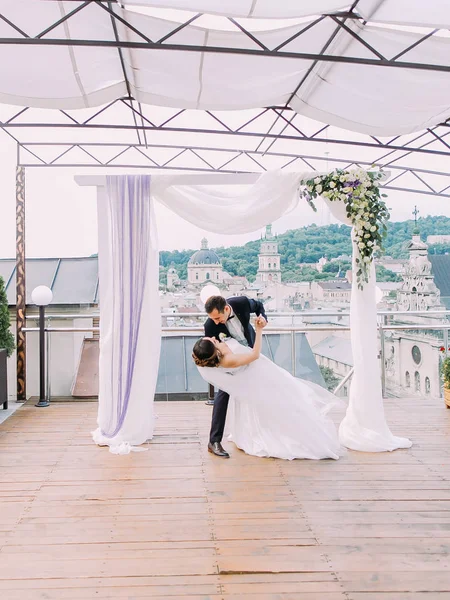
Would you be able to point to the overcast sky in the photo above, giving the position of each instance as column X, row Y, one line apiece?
column 61, row 216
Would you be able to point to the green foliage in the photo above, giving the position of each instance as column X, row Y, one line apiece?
column 359, row 190
column 307, row 245
column 445, row 371
column 384, row 274
column 6, row 337
column 331, row 381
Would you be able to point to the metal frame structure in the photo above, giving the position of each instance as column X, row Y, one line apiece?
column 128, row 134
column 272, row 137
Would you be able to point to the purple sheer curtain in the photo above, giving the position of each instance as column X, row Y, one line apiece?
column 129, row 312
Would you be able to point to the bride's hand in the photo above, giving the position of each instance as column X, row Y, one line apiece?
column 260, row 322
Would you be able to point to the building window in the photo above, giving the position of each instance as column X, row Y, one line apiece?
column 217, row 276
column 416, row 354
column 408, row 379
column 270, row 265
column 417, row 381
column 427, row 385
column 207, row 275
column 196, row 276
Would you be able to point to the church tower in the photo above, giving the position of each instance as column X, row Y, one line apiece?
column 418, row 291
column 269, row 260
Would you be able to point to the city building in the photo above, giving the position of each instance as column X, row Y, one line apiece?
column 335, row 292
column 205, row 266
column 418, row 290
column 412, row 357
column 269, row 269
column 172, row 278
column 396, row 265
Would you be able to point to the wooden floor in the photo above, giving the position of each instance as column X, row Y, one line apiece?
column 175, row 522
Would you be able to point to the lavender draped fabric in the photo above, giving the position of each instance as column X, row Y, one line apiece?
column 129, row 301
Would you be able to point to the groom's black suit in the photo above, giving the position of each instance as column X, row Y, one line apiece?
column 242, row 307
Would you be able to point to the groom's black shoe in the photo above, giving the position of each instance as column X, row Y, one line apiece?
column 216, row 448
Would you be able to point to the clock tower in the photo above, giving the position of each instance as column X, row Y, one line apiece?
column 269, row 259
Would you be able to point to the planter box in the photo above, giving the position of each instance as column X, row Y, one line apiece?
column 3, row 380
column 447, row 396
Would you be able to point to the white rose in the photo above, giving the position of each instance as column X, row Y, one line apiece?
column 347, row 190
column 342, row 178
column 370, row 243
column 367, row 235
column 361, row 245
column 318, row 189
column 373, row 228
column 343, row 196
column 332, row 184
column 367, row 259
column 317, row 180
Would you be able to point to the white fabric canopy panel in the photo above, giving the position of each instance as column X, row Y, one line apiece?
column 403, row 12
column 380, row 80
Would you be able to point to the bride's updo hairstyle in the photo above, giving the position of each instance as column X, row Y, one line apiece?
column 205, row 354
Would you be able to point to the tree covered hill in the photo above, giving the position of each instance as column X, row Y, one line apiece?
column 308, row 245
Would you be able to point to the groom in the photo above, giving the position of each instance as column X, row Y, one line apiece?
column 228, row 318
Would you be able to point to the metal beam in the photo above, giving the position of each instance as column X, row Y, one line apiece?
column 309, row 56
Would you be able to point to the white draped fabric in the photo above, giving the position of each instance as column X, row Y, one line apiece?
column 199, row 66
column 130, row 313
column 227, row 210
column 364, row 426
column 130, row 333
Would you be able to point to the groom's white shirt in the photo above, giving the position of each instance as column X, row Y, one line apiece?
column 236, row 328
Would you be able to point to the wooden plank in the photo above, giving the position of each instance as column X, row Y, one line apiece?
column 78, row 523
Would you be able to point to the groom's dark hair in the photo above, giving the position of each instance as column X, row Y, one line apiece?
column 215, row 303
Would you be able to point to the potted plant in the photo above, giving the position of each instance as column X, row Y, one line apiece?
column 445, row 372
column 7, row 344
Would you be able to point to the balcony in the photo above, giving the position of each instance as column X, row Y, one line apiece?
column 304, row 343
column 176, row 522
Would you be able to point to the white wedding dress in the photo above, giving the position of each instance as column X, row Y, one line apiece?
column 271, row 413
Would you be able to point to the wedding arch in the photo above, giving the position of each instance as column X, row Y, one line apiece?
column 129, row 267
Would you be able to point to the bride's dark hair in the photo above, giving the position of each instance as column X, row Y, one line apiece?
column 205, row 354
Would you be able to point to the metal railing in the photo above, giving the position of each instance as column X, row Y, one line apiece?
column 383, row 327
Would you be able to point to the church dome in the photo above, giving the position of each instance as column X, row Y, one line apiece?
column 204, row 256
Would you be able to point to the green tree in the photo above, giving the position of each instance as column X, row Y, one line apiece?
column 331, row 380
column 309, row 244
column 6, row 337
column 384, row 274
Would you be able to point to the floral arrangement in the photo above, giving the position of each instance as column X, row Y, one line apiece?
column 445, row 368
column 359, row 190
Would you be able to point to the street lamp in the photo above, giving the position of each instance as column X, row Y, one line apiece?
column 42, row 296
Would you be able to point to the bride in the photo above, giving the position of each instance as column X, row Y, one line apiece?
column 271, row 413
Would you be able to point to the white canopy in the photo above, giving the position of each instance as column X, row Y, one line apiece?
column 434, row 13
column 338, row 69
